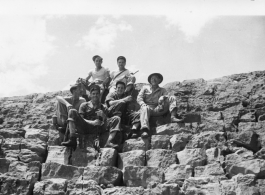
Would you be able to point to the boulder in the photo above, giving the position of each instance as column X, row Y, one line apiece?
column 36, row 145
column 214, row 155
column 12, row 144
column 83, row 157
column 131, row 158
column 55, row 170
column 124, row 190
column 179, row 141
column 58, row 154
column 211, row 170
column 27, row 156
column 160, row 158
column 172, row 128
column 50, row 186
column 103, row 175
column 32, row 133
column 85, row 187
column 4, row 165
column 260, row 154
column 160, row 142
column 12, row 133
column 135, row 176
column 108, row 157
column 193, row 157
column 163, row 189
column 175, row 173
column 135, row 144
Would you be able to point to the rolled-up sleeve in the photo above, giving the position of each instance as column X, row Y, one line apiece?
column 140, row 97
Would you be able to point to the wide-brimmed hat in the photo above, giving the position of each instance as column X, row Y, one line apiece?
column 157, row 74
column 74, row 86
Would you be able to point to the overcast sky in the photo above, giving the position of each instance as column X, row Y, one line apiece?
column 46, row 45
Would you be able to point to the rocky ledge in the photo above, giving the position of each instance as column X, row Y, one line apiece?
column 220, row 149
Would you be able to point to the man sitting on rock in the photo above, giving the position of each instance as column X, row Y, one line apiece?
column 154, row 102
column 92, row 119
column 64, row 104
column 117, row 100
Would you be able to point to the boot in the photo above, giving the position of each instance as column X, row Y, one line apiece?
column 71, row 142
column 176, row 120
column 134, row 134
column 111, row 145
column 144, row 134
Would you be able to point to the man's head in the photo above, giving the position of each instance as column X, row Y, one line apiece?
column 121, row 61
column 95, row 92
column 97, row 60
column 75, row 89
column 155, row 78
column 120, row 87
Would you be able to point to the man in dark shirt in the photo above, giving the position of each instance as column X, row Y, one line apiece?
column 92, row 119
column 116, row 101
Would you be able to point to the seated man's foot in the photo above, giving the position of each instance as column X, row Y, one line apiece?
column 71, row 142
column 144, row 134
column 61, row 129
column 176, row 120
column 134, row 134
column 111, row 145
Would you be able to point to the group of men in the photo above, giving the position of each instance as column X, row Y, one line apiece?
column 76, row 116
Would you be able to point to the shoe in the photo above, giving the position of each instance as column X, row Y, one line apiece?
column 176, row 120
column 61, row 129
column 134, row 134
column 111, row 145
column 144, row 134
column 71, row 142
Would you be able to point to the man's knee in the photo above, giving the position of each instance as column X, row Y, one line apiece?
column 72, row 113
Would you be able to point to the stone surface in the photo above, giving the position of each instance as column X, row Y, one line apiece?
column 135, row 176
column 175, row 173
column 160, row 142
column 4, row 165
column 193, row 157
column 160, row 158
column 83, row 157
column 131, row 158
column 58, row 154
column 214, row 155
column 103, row 175
column 108, row 157
column 179, row 141
column 27, row 156
column 135, row 144
column 50, row 186
column 124, row 190
column 171, row 129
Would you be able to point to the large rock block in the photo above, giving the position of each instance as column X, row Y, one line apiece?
column 260, row 154
column 35, row 145
column 175, row 173
column 20, row 179
column 12, row 144
column 55, row 170
column 55, row 137
column 248, row 139
column 179, row 141
column 32, row 133
column 214, row 155
column 131, row 158
column 103, row 175
column 124, row 190
column 26, row 156
column 4, row 165
column 135, row 144
column 160, row 158
column 56, row 186
column 85, row 187
column 172, row 128
column 141, row 176
column 160, row 142
column 12, row 133
column 108, row 157
column 236, row 164
column 58, row 154
column 164, row 189
column 214, row 170
column 193, row 157
column 83, row 157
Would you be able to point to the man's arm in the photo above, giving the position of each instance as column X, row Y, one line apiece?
column 63, row 101
column 82, row 110
column 140, row 97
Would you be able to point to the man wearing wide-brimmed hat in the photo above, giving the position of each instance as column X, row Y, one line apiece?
column 64, row 104
column 92, row 118
column 154, row 102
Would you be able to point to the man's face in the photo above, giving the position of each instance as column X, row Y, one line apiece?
column 120, row 89
column 95, row 95
column 77, row 91
column 98, row 62
column 121, row 64
column 155, row 80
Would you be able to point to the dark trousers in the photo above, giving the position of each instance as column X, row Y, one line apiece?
column 82, row 127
